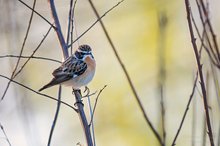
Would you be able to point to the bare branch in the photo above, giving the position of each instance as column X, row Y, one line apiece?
column 163, row 20
column 96, row 101
column 186, row 110
column 211, row 29
column 37, row 13
column 33, row 57
column 45, row 95
column 22, row 67
column 72, row 22
column 98, row 19
column 200, row 73
column 56, row 115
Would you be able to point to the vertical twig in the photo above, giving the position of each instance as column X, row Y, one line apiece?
column 72, row 26
column 92, row 124
column 211, row 29
column 69, row 22
column 193, row 40
column 82, row 117
column 93, row 24
column 162, row 71
column 126, row 74
column 56, row 115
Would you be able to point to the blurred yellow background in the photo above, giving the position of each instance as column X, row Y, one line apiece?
column 134, row 29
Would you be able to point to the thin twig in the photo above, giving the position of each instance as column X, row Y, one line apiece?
column 98, row 20
column 22, row 67
column 59, row 30
column 6, row 137
column 91, row 115
column 72, row 26
column 69, row 22
column 211, row 29
column 37, row 13
column 163, row 20
column 56, row 115
column 186, row 110
column 33, row 57
column 45, row 95
column 125, row 71
column 200, row 73
column 96, row 101
column 21, row 51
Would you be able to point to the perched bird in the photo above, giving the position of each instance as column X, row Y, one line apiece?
column 76, row 71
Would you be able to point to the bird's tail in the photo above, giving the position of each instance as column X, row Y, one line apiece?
column 44, row 87
column 50, row 84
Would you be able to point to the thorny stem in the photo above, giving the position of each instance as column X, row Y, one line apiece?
column 193, row 40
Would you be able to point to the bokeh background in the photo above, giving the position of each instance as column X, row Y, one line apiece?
column 135, row 31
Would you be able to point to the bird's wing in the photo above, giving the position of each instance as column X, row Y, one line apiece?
column 71, row 68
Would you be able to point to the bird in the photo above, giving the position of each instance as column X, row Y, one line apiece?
column 76, row 71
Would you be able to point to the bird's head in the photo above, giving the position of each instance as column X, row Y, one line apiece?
column 83, row 52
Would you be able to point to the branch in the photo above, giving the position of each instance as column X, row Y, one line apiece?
column 186, row 110
column 15, row 74
column 21, row 51
column 37, row 13
column 126, row 73
column 98, row 20
column 82, row 117
column 56, row 116
column 211, row 29
column 58, row 29
column 45, row 95
column 163, row 20
column 33, row 57
column 96, row 101
column 41, row 42
column 200, row 73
